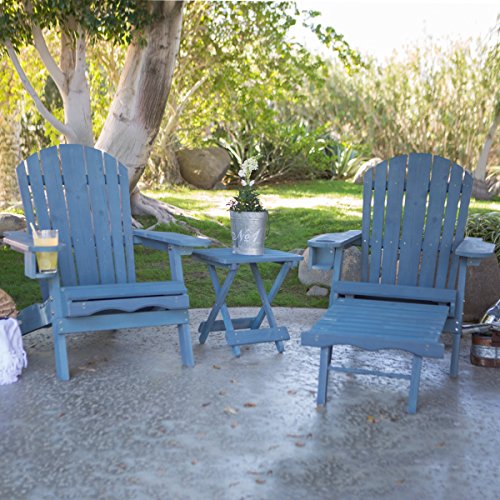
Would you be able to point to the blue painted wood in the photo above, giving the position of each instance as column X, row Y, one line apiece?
column 225, row 256
column 181, row 240
column 414, row 384
column 131, row 304
column 99, row 207
column 399, row 292
column 265, row 303
column 24, row 189
column 417, row 186
column 126, row 217
column 117, row 235
column 220, row 326
column 394, row 211
column 437, row 198
column 475, row 248
column 140, row 319
column 38, row 192
column 335, row 240
column 366, row 222
column 450, row 217
column 246, row 337
column 56, row 199
column 34, row 317
column 377, row 222
column 325, row 359
column 219, row 302
column 185, row 345
column 272, row 293
column 84, row 194
column 78, row 201
column 226, row 318
column 363, row 371
column 460, row 227
column 412, row 284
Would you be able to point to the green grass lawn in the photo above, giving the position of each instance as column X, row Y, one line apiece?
column 298, row 211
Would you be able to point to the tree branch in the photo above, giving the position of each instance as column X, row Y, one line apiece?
column 47, row 59
column 61, row 127
column 174, row 117
column 80, row 57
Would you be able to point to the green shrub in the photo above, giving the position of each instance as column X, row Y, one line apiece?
column 486, row 226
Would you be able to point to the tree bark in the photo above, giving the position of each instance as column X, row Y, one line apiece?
column 76, row 97
column 480, row 189
column 138, row 106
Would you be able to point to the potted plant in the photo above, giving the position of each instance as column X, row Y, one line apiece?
column 248, row 217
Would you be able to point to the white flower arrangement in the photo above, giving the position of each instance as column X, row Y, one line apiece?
column 248, row 198
column 245, row 172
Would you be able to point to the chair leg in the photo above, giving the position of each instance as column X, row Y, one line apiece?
column 186, row 345
column 325, row 359
column 414, row 384
column 61, row 354
column 455, row 353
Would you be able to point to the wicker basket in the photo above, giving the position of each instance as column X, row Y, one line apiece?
column 7, row 305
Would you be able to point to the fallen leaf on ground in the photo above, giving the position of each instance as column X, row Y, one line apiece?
column 217, row 367
column 260, row 481
column 300, row 444
column 249, row 405
column 230, row 410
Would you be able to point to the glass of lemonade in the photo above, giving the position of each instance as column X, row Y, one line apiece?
column 47, row 261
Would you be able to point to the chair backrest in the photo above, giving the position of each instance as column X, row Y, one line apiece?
column 84, row 193
column 414, row 215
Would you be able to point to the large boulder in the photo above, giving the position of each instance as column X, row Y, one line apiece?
column 351, row 269
column 358, row 178
column 11, row 222
column 203, row 168
column 482, row 289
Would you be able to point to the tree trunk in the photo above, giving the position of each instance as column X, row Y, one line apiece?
column 480, row 189
column 76, row 95
column 138, row 106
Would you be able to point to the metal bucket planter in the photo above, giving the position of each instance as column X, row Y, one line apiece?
column 485, row 350
column 248, row 231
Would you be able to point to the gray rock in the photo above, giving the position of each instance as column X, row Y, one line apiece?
column 203, row 168
column 351, row 264
column 317, row 291
column 351, row 269
column 482, row 289
column 11, row 222
column 358, row 178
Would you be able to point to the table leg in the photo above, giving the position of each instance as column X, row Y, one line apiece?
column 266, row 305
column 272, row 293
column 221, row 294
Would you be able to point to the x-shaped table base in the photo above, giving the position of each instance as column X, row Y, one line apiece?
column 243, row 331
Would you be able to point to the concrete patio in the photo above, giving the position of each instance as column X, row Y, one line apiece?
column 132, row 423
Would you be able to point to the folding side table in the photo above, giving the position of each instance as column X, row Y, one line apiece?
column 243, row 331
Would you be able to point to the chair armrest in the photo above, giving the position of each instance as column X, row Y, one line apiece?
column 21, row 241
column 336, row 240
column 475, row 248
column 326, row 248
column 162, row 240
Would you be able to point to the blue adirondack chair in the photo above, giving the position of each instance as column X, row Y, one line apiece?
column 414, row 260
column 84, row 193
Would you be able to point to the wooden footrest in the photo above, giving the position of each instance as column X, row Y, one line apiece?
column 245, row 337
column 379, row 324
